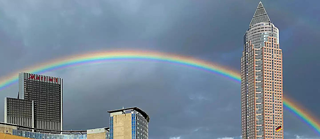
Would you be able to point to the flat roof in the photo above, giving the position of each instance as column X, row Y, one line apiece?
column 65, row 131
column 144, row 114
column 39, row 74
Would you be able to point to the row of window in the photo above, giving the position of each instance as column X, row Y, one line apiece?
column 36, row 135
column 111, row 127
column 133, row 125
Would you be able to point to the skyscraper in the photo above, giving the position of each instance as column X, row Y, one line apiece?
column 261, row 79
column 39, row 103
column 129, row 123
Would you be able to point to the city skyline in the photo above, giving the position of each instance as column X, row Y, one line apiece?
column 37, row 113
column 208, row 30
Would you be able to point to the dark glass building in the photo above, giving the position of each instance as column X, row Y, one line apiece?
column 19, row 111
column 40, row 97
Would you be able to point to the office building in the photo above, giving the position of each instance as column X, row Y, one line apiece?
column 19, row 111
column 39, row 103
column 12, row 131
column 129, row 123
column 37, row 113
column 261, row 79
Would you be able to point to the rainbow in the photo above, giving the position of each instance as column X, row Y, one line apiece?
column 97, row 57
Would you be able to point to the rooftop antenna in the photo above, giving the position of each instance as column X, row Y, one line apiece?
column 123, row 111
column 18, row 94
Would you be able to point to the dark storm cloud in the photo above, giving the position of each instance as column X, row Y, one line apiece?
column 181, row 102
column 68, row 27
column 299, row 33
column 174, row 108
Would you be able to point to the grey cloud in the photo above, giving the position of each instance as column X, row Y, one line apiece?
column 172, row 107
column 69, row 27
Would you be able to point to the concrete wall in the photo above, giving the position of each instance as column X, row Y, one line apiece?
column 122, row 126
column 6, row 129
column 97, row 136
column 7, row 136
column 99, row 133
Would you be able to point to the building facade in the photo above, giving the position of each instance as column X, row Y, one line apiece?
column 19, row 111
column 11, row 131
column 45, row 95
column 261, row 79
column 99, row 133
column 129, row 123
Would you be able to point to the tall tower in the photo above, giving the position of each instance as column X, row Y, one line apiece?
column 261, row 79
column 39, row 104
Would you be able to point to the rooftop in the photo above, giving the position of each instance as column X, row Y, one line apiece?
column 144, row 114
column 46, row 130
column 260, row 15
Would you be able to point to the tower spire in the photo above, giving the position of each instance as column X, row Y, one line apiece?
column 260, row 15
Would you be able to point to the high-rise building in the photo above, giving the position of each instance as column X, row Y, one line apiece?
column 19, row 111
column 129, row 123
column 261, row 79
column 39, row 103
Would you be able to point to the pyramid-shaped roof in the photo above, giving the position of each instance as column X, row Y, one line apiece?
column 260, row 15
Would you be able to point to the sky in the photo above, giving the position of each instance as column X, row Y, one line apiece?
column 183, row 103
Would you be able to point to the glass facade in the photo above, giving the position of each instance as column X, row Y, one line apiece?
column 107, row 135
column 141, row 127
column 19, row 112
column 39, row 103
column 47, row 100
column 134, row 123
column 37, row 135
column 111, row 127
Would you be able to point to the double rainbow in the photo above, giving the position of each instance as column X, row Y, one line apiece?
column 94, row 57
